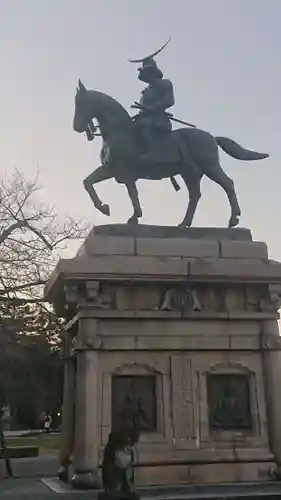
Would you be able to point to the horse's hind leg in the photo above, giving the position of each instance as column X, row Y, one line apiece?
column 133, row 193
column 99, row 175
column 194, row 197
column 218, row 175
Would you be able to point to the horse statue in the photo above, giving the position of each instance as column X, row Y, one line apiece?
column 198, row 155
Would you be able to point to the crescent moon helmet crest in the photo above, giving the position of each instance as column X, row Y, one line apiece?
column 151, row 55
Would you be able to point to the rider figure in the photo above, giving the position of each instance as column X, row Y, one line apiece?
column 157, row 97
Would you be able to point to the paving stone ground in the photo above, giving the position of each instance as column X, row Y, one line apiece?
column 28, row 485
column 35, row 489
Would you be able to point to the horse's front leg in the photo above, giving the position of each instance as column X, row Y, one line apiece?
column 133, row 193
column 99, row 175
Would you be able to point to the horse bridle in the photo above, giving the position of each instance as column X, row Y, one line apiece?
column 91, row 131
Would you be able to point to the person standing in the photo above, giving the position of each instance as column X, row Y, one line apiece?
column 48, row 423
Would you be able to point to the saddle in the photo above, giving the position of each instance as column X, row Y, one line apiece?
column 162, row 148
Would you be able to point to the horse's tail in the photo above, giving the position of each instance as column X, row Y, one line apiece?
column 236, row 151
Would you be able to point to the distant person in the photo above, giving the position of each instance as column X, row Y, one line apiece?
column 48, row 423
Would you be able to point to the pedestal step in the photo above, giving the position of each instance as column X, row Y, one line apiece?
column 233, row 491
column 147, row 231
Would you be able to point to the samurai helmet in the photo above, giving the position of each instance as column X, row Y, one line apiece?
column 149, row 65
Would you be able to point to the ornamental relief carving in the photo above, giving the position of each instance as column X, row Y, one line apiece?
column 184, row 298
column 263, row 298
column 90, row 292
column 211, row 298
column 191, row 299
column 181, row 299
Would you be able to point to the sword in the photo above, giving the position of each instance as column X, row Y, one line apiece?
column 136, row 105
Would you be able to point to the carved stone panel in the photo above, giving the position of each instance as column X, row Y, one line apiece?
column 71, row 291
column 220, row 298
column 180, row 299
column 191, row 298
column 213, row 299
column 252, row 298
column 234, row 298
column 137, row 297
column 271, row 342
column 229, row 402
column 182, row 397
column 134, row 402
column 271, row 300
column 263, row 298
column 99, row 295
column 90, row 292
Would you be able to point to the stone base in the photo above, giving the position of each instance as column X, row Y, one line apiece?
column 117, row 495
column 197, row 233
column 161, row 475
column 86, row 480
column 277, row 473
column 63, row 474
column 180, row 317
column 235, row 491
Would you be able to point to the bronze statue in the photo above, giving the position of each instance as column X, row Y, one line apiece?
column 132, row 413
column 152, row 120
column 145, row 147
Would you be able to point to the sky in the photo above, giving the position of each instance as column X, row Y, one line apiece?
column 224, row 62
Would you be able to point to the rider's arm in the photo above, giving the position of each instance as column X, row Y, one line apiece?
column 166, row 96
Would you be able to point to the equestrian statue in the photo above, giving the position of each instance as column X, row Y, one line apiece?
column 146, row 147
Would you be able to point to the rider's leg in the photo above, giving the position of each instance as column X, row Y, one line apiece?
column 146, row 138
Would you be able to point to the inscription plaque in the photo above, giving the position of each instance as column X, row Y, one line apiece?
column 182, row 398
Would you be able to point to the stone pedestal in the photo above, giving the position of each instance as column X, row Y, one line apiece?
column 272, row 373
column 67, row 437
column 179, row 325
column 86, row 421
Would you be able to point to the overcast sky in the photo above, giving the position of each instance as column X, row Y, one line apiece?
column 224, row 61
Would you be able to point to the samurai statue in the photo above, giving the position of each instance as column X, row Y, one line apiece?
column 153, row 122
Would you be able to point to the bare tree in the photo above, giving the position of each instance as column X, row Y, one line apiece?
column 32, row 237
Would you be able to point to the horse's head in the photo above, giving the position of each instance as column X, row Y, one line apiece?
column 83, row 112
column 112, row 118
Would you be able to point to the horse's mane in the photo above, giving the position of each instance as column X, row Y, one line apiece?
column 110, row 105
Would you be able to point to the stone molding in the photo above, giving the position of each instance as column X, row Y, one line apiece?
column 189, row 300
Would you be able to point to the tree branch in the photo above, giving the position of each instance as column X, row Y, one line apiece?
column 17, row 288
column 41, row 236
column 32, row 238
column 13, row 227
column 16, row 301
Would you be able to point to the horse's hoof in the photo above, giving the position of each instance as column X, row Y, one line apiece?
column 104, row 209
column 233, row 221
column 184, row 224
column 133, row 220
